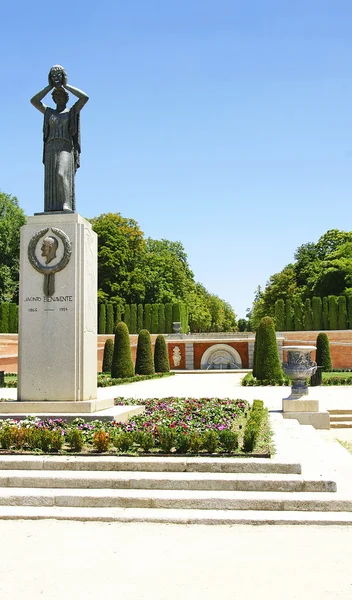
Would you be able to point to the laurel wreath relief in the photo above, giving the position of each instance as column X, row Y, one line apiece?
column 47, row 270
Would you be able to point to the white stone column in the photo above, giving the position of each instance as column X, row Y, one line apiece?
column 57, row 354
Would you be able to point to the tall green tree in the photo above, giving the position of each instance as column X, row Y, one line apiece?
column 333, row 312
column 268, row 364
column 308, row 315
column 342, row 312
column 12, row 218
column 280, row 319
column 133, row 318
column 317, row 309
column 289, row 314
column 161, row 318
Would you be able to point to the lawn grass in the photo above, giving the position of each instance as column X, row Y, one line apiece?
column 347, row 445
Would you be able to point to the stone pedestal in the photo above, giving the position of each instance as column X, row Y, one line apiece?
column 57, row 351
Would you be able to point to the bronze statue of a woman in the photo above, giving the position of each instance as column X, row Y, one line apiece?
column 61, row 133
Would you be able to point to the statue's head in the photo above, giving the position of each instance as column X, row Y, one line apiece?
column 56, row 76
column 49, row 247
column 60, row 96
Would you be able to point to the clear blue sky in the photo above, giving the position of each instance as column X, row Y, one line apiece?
column 224, row 124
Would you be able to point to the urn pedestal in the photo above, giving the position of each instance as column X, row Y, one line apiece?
column 298, row 405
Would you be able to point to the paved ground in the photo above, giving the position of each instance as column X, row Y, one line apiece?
column 76, row 561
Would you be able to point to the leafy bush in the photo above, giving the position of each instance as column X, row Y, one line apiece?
column 123, row 441
column 161, row 358
column 253, row 425
column 122, row 364
column 166, row 438
column 101, row 441
column 108, row 354
column 182, row 442
column 75, row 439
column 210, row 441
column 228, row 440
column 144, row 357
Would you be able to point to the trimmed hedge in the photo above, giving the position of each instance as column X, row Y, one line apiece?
column 144, row 357
column 323, row 356
column 253, row 425
column 161, row 317
column 122, row 364
column 168, row 317
column 280, row 315
column 139, row 317
column 147, row 322
column 107, row 356
column 267, row 354
column 109, row 318
column 13, row 318
column 127, row 316
column 161, row 358
column 155, row 319
column 133, row 318
column 102, row 319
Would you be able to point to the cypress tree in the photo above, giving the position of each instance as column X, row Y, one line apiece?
column 127, row 316
column 13, row 318
column 144, row 357
column 326, row 320
column 267, row 354
column 118, row 317
column 122, row 364
column 102, row 319
column 147, row 317
column 317, row 309
column 139, row 317
column 323, row 356
column 342, row 312
column 184, row 317
column 161, row 358
column 254, row 369
column 298, row 319
column 308, row 315
column 161, row 318
column 168, row 317
column 176, row 313
column 333, row 312
column 289, row 315
column 280, row 315
column 107, row 356
column 349, row 310
column 133, row 328
column 155, row 319
column 109, row 318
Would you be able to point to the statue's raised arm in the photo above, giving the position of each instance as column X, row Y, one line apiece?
column 62, row 147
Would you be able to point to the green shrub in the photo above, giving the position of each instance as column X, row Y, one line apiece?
column 333, row 312
column 253, row 425
column 139, row 317
column 118, row 316
column 6, row 436
column 298, row 314
column 147, row 317
column 161, row 317
column 325, row 315
column 308, row 315
column 342, row 312
column 195, row 443
column 133, row 328
column 144, row 357
column 184, row 317
column 108, row 354
column 13, row 318
column 75, row 439
column 210, row 441
column 4, row 317
column 109, row 318
column 349, row 311
column 254, row 369
column 161, row 358
column 182, row 443
column 124, row 441
column 127, row 316
column 323, row 356
column 101, row 441
column 228, row 440
column 267, row 355
column 122, row 364
column 146, row 441
column 155, row 319
column 166, row 439
column 280, row 315
column 168, row 317
column 317, row 309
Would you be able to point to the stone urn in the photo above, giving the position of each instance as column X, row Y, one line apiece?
column 299, row 367
column 176, row 326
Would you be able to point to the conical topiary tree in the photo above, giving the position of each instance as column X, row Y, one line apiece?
column 161, row 358
column 144, row 357
column 107, row 356
column 323, row 356
column 267, row 355
column 122, row 364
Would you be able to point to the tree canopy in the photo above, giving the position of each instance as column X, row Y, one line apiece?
column 12, row 218
column 319, row 269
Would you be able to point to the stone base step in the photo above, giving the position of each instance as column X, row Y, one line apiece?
column 340, row 411
column 145, row 463
column 176, row 499
column 341, row 425
column 258, row 482
column 341, row 417
column 174, row 516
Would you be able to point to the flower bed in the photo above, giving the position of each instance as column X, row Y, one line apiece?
column 169, row 425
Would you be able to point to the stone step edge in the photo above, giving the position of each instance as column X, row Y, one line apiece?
column 341, row 425
column 104, row 480
column 176, row 516
column 176, row 464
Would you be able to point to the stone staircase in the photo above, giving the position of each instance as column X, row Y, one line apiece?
column 340, row 419
column 307, row 481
